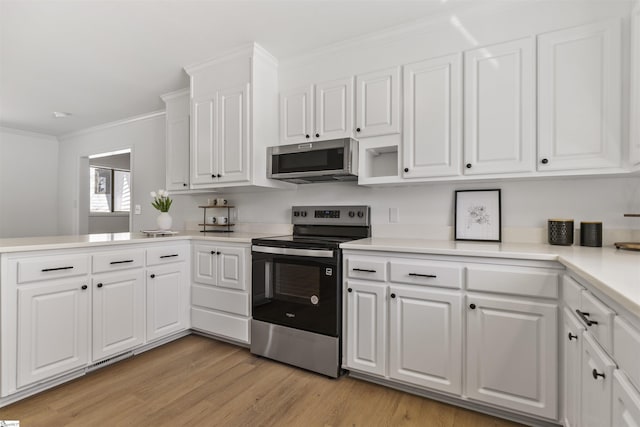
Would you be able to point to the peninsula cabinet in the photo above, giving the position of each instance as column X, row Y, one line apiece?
column 579, row 97
column 234, row 118
column 177, row 140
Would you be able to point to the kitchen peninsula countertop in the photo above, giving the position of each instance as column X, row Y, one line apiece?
column 22, row 244
column 614, row 272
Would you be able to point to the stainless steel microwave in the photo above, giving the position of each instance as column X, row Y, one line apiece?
column 317, row 161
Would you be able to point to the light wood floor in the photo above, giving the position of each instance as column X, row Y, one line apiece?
column 196, row 381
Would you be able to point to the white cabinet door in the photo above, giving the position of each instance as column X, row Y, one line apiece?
column 334, row 109
column 233, row 141
column 432, row 131
column 167, row 300
column 177, row 141
column 378, row 103
column 572, row 343
column 512, row 354
column 579, row 90
column 425, row 337
column 232, row 267
column 53, row 329
column 296, row 115
column 205, row 264
column 597, row 379
column 204, row 132
column 626, row 402
column 118, row 317
column 366, row 327
column 634, row 143
column 499, row 108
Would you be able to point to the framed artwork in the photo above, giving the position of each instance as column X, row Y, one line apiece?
column 477, row 215
column 103, row 181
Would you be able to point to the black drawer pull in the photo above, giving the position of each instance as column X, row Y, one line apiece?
column 472, row 306
column 584, row 316
column 100, row 285
column 57, row 268
column 153, row 276
column 432, row 276
column 349, row 290
column 121, row 262
column 364, row 270
column 168, row 256
column 572, row 337
column 84, row 287
column 393, row 295
column 596, row 374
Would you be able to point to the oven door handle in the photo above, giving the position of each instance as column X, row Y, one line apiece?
column 291, row 251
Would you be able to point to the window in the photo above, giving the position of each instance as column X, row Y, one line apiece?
column 109, row 190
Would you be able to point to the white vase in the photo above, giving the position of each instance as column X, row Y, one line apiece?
column 164, row 221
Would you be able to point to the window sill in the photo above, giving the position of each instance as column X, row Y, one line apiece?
column 109, row 214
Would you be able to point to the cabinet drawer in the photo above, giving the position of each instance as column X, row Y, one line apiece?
column 595, row 311
column 542, row 284
column 571, row 291
column 226, row 325
column 166, row 254
column 626, row 348
column 430, row 273
column 366, row 268
column 110, row 261
column 51, row 267
column 220, row 299
column 626, row 402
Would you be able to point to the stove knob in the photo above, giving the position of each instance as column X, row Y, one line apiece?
column 352, row 214
column 296, row 213
column 360, row 214
column 303, row 213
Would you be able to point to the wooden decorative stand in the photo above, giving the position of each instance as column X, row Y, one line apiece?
column 216, row 228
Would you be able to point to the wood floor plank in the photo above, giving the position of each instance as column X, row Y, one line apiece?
column 197, row 381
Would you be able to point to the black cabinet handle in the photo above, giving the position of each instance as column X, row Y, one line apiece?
column 213, row 252
column 432, row 276
column 169, row 256
column 572, row 337
column 307, row 136
column 584, row 316
column 468, row 165
column 472, row 306
column 357, row 129
column 99, row 285
column 406, row 169
column 121, row 262
column 349, row 290
column 184, row 184
column 317, row 135
column 219, row 176
column 364, row 270
column 544, row 161
column 153, row 276
column 393, row 295
column 84, row 287
column 56, row 269
column 217, row 252
column 213, row 175
column 596, row 374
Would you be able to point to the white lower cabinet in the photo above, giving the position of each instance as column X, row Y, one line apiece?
column 572, row 338
column 118, row 317
column 167, row 300
column 53, row 329
column 425, row 337
column 512, row 353
column 626, row 402
column 596, row 384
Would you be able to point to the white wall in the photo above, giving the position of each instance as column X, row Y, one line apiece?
column 28, row 184
column 145, row 136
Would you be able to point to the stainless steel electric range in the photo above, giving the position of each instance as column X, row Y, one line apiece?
column 297, row 287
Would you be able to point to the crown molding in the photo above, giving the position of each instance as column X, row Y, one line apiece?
column 175, row 94
column 117, row 123
column 247, row 50
column 28, row 133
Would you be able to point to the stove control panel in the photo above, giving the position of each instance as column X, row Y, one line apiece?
column 331, row 215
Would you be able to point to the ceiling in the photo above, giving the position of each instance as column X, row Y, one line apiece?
column 105, row 61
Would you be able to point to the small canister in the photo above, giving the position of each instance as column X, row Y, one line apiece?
column 560, row 232
column 591, row 234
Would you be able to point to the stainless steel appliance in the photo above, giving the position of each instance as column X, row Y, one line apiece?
column 317, row 161
column 297, row 287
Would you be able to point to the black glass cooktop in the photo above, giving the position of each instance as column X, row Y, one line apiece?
column 303, row 242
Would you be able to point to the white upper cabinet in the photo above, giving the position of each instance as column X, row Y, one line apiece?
column 634, row 144
column 432, row 131
column 233, row 147
column 499, row 119
column 203, row 142
column 296, row 115
column 334, row 109
column 378, row 103
column 579, row 97
column 177, row 140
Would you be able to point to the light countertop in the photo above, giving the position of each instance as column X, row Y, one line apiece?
column 612, row 271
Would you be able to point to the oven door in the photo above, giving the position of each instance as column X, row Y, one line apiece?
column 298, row 288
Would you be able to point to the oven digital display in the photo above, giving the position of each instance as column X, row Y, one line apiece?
column 327, row 214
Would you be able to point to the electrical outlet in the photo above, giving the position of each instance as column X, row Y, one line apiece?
column 394, row 215
column 137, row 210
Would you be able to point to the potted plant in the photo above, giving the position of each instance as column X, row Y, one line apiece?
column 162, row 202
